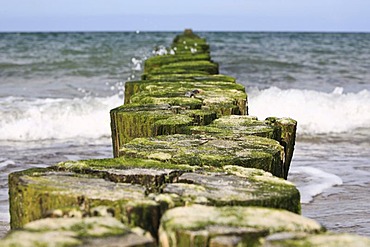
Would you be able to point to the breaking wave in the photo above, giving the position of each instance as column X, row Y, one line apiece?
column 43, row 119
column 316, row 112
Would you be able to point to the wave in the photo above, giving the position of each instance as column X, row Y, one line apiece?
column 316, row 112
column 45, row 119
column 62, row 118
column 314, row 181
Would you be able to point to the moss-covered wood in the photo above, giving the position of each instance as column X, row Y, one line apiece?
column 234, row 127
column 138, row 191
column 205, row 150
column 132, row 121
column 158, row 61
column 225, row 98
column 235, row 186
column 189, row 42
column 247, row 226
column 188, row 77
column 288, row 128
column 205, row 226
column 152, row 174
column 185, row 67
column 36, row 193
column 90, row 231
column 175, row 87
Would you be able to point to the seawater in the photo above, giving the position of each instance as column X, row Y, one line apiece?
column 56, row 90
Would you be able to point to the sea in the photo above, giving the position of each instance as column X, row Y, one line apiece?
column 56, row 90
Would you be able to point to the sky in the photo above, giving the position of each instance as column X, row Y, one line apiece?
column 171, row 15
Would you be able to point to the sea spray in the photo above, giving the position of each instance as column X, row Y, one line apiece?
column 316, row 112
column 43, row 119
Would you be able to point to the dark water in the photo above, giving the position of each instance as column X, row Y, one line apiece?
column 56, row 90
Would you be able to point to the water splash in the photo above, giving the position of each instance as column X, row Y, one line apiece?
column 316, row 112
column 42, row 119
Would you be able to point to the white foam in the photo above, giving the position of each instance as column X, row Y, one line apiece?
column 315, row 181
column 160, row 51
column 5, row 162
column 42, row 119
column 316, row 112
column 136, row 64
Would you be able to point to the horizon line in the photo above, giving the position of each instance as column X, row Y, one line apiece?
column 172, row 31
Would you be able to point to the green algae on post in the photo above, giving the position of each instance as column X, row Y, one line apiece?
column 189, row 42
column 237, row 126
column 35, row 192
column 188, row 77
column 132, row 121
column 186, row 67
column 235, row 186
column 152, row 174
column 200, row 225
column 94, row 231
column 225, row 98
column 205, row 150
column 158, row 61
column 288, row 128
column 54, row 189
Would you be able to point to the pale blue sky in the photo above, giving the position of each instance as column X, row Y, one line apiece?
column 200, row 15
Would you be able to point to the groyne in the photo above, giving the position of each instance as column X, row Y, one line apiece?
column 190, row 168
